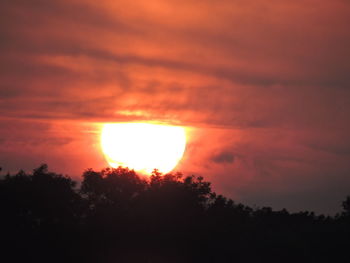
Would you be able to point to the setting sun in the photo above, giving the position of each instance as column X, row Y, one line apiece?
column 142, row 146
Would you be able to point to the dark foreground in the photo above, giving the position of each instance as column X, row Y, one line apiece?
column 116, row 216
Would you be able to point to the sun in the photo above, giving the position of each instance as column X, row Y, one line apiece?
column 143, row 146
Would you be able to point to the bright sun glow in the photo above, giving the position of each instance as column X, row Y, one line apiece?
column 142, row 146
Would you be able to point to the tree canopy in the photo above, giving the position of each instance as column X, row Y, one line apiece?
column 114, row 215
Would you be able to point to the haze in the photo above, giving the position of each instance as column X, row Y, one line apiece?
column 264, row 88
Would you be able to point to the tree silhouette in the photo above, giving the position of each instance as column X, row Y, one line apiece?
column 346, row 206
column 36, row 209
column 117, row 216
column 116, row 187
column 39, row 199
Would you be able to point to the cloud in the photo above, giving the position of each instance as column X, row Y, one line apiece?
column 263, row 85
column 223, row 157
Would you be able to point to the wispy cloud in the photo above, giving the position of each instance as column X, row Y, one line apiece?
column 266, row 83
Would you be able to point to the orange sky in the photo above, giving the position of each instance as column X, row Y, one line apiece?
column 263, row 86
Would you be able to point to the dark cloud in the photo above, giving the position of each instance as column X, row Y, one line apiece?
column 223, row 157
column 20, row 134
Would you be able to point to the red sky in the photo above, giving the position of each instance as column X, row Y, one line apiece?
column 264, row 87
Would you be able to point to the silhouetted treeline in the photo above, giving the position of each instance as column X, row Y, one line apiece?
column 116, row 216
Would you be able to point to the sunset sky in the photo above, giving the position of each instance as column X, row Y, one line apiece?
column 262, row 87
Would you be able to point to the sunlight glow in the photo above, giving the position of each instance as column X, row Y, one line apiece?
column 143, row 146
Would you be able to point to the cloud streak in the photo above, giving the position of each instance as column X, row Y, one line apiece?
column 264, row 86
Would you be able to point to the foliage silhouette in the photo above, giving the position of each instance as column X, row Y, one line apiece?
column 346, row 206
column 117, row 216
